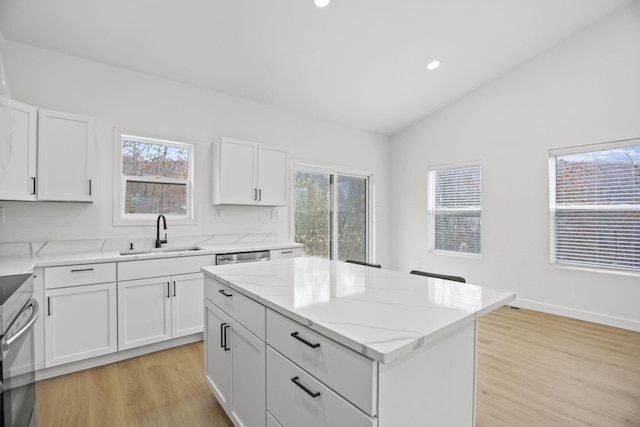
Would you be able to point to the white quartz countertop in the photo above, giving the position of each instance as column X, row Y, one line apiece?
column 21, row 264
column 382, row 314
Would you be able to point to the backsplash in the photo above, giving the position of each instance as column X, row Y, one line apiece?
column 121, row 244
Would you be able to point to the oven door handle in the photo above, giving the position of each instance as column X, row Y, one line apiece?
column 7, row 342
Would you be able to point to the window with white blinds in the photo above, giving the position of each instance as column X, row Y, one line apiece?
column 455, row 204
column 595, row 206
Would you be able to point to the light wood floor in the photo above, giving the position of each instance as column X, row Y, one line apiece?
column 534, row 369
column 163, row 389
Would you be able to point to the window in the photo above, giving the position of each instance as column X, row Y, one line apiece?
column 454, row 208
column 331, row 213
column 156, row 177
column 595, row 206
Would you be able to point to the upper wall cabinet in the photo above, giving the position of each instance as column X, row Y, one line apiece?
column 19, row 179
column 61, row 144
column 247, row 173
column 65, row 156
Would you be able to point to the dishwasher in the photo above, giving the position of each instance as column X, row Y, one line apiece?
column 240, row 257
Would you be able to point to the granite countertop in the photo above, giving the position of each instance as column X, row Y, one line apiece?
column 382, row 314
column 20, row 264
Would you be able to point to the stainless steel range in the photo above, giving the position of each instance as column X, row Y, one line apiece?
column 18, row 313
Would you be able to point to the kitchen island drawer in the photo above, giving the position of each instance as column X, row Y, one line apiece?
column 79, row 274
column 352, row 375
column 295, row 398
column 246, row 311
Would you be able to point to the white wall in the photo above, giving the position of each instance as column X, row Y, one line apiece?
column 143, row 105
column 585, row 90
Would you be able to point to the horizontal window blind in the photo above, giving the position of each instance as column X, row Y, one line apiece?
column 596, row 208
column 456, row 209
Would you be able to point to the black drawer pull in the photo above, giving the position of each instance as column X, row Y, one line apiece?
column 286, row 252
column 226, row 343
column 224, row 293
column 299, row 338
column 223, row 340
column 313, row 394
column 81, row 269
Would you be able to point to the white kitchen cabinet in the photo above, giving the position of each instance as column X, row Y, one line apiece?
column 248, row 173
column 80, row 322
column 159, row 309
column 285, row 253
column 19, row 179
column 296, row 398
column 186, row 305
column 65, row 157
column 351, row 374
column 235, row 362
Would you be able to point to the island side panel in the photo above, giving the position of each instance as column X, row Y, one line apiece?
column 433, row 386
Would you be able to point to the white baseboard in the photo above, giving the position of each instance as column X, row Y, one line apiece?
column 632, row 325
column 80, row 365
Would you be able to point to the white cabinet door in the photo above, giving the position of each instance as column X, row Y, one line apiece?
column 272, row 176
column 80, row 322
column 186, row 304
column 65, row 156
column 18, row 179
column 248, row 377
column 235, row 367
column 248, row 173
column 235, row 177
column 217, row 355
column 144, row 312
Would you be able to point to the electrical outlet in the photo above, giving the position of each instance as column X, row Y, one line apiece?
column 218, row 213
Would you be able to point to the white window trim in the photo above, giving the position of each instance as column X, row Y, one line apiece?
column 119, row 186
column 553, row 209
column 431, row 212
column 298, row 165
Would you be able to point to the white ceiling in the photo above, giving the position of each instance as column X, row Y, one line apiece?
column 357, row 62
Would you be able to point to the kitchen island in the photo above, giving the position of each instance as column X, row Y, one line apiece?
column 313, row 342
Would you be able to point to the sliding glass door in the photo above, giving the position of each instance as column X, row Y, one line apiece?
column 331, row 214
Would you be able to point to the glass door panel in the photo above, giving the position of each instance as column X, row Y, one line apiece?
column 351, row 224
column 313, row 213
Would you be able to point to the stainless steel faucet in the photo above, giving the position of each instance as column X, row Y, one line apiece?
column 159, row 242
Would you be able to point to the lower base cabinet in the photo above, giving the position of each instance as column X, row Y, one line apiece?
column 235, row 367
column 159, row 309
column 296, row 377
column 296, row 398
column 80, row 322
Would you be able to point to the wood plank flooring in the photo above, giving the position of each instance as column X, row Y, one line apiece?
column 163, row 389
column 534, row 369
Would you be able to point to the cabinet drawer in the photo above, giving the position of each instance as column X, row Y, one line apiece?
column 247, row 312
column 142, row 269
column 285, row 253
column 345, row 371
column 81, row 274
column 292, row 406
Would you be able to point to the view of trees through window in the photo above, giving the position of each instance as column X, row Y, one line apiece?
column 331, row 215
column 156, row 177
column 597, row 208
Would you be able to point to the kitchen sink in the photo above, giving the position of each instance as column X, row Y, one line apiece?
column 157, row 251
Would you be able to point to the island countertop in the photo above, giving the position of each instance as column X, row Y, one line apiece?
column 382, row 314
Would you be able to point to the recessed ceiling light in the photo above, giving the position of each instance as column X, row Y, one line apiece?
column 322, row 3
column 433, row 65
